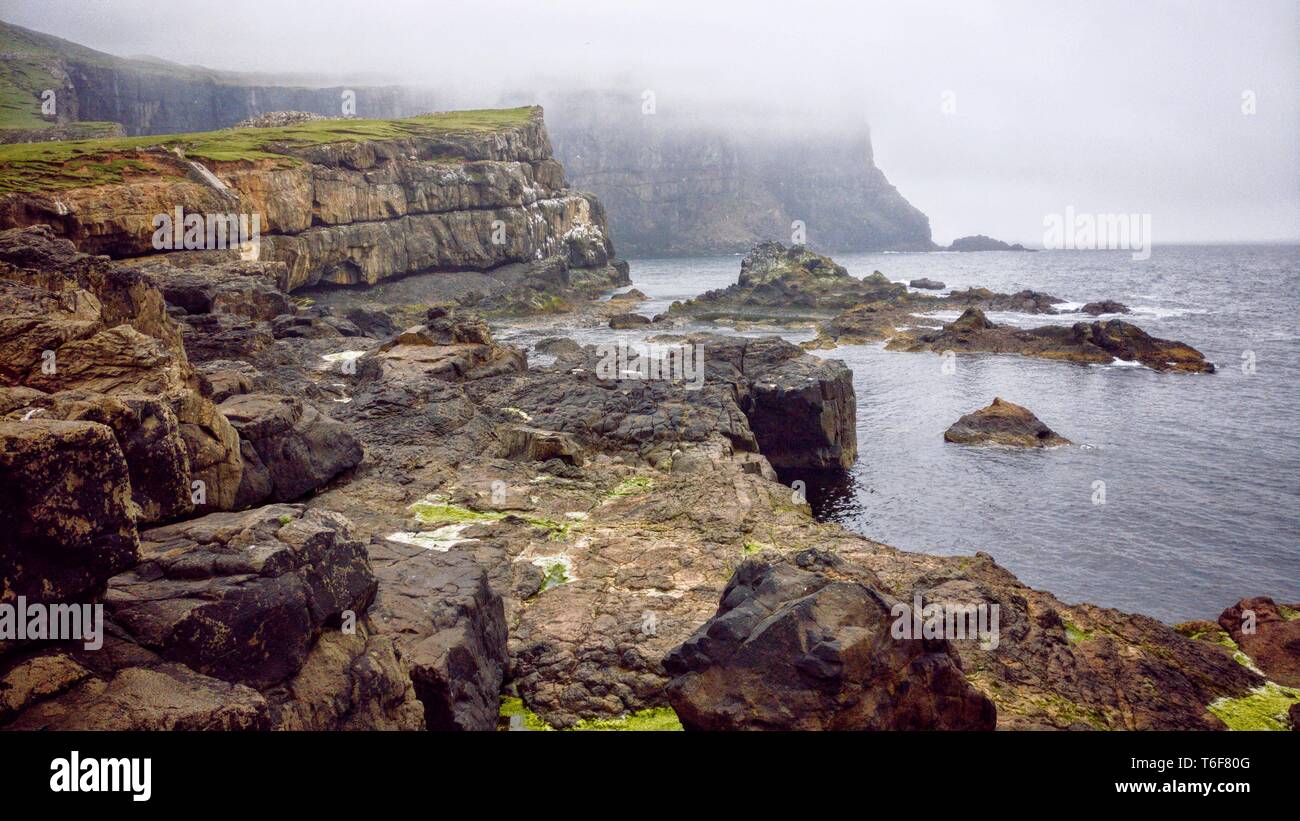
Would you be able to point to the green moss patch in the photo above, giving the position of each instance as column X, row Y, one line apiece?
column 654, row 719
column 633, row 486
column 428, row 512
column 1264, row 708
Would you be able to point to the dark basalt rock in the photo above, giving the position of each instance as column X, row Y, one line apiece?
column 622, row 322
column 59, row 539
column 242, row 596
column 927, row 284
column 289, row 447
column 1106, row 306
column 1096, row 342
column 450, row 626
column 1003, row 423
column 805, row 644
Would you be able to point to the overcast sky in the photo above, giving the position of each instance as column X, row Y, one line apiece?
column 1107, row 106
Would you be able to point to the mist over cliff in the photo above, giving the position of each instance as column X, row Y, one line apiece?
column 695, row 181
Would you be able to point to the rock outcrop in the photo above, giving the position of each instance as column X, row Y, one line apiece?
column 250, row 620
column 336, row 201
column 85, row 339
column 927, row 284
column 808, row 644
column 980, row 242
column 1092, row 343
column 677, row 185
column 776, row 281
column 1003, row 423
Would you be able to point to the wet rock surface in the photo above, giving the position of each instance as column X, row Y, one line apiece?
column 1003, row 423
column 1089, row 343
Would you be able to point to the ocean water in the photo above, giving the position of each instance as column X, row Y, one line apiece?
column 1201, row 473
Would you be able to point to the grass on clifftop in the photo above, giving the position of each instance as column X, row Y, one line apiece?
column 29, row 167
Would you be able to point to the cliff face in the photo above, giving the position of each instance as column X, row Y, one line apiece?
column 342, row 202
column 155, row 96
column 675, row 187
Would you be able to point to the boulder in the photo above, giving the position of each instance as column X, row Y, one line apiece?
column 75, row 322
column 623, row 322
column 450, row 628
column 290, row 448
column 1003, row 423
column 807, row 644
column 927, row 284
column 146, row 430
column 1274, row 646
column 67, row 522
column 242, row 596
column 1106, row 306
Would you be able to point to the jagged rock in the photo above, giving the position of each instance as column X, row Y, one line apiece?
column 775, row 280
column 1003, row 423
column 1274, row 646
column 533, row 444
column 75, row 322
column 807, row 645
column 450, row 627
column 451, row 346
column 242, row 596
column 1106, row 306
column 67, row 523
column 623, row 322
column 801, row 408
column 1097, row 342
column 927, row 284
column 373, row 323
column 289, row 447
column 147, row 434
column 1026, row 301
column 239, row 288
column 349, row 682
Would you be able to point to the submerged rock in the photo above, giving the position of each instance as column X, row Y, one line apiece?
column 1003, row 423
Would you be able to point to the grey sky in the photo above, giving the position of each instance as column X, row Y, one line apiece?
column 1106, row 106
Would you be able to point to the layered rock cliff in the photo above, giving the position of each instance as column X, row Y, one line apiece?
column 684, row 183
column 336, row 201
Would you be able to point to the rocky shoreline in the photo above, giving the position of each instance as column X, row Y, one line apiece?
column 368, row 513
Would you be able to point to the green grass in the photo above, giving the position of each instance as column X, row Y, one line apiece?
column 46, row 166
